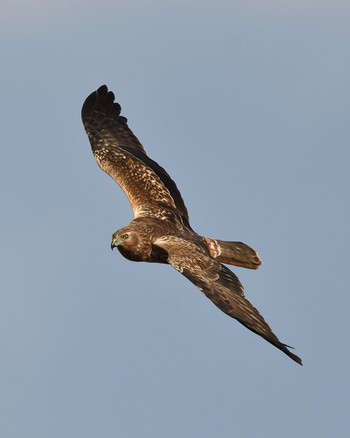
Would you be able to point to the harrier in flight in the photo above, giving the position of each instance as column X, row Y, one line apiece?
column 160, row 231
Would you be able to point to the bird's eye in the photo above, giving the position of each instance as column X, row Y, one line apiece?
column 125, row 236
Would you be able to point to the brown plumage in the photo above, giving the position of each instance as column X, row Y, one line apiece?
column 160, row 231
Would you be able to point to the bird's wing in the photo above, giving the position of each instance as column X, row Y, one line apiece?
column 220, row 285
column 119, row 153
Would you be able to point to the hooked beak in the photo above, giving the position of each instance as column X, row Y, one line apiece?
column 116, row 243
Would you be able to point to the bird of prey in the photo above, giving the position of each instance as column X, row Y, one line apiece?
column 160, row 231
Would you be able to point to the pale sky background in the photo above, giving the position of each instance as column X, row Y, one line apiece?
column 246, row 104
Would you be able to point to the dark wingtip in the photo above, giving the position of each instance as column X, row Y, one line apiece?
column 283, row 348
column 101, row 99
column 293, row 356
column 102, row 89
column 296, row 358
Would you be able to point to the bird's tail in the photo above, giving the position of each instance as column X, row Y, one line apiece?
column 237, row 254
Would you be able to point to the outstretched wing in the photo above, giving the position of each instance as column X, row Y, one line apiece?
column 220, row 285
column 119, row 153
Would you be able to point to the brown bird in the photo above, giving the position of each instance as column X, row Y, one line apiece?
column 160, row 231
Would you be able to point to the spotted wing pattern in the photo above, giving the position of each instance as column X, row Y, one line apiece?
column 119, row 153
column 220, row 285
column 153, row 195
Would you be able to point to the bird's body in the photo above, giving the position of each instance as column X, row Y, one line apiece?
column 160, row 231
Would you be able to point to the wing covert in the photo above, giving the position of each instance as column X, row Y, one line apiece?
column 220, row 285
column 120, row 154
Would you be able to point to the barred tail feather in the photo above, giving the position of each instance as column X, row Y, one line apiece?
column 238, row 254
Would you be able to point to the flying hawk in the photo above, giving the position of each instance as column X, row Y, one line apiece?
column 160, row 231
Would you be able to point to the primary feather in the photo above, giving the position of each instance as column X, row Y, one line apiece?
column 160, row 231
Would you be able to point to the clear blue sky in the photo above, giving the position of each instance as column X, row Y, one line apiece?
column 246, row 104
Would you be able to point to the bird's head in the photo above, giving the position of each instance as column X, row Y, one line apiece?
column 125, row 238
